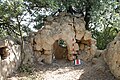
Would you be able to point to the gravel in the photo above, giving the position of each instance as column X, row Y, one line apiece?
column 64, row 70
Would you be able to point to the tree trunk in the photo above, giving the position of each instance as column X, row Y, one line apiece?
column 87, row 19
column 87, row 15
column 22, row 42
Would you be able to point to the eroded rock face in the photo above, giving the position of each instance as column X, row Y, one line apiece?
column 9, row 57
column 69, row 28
column 112, row 56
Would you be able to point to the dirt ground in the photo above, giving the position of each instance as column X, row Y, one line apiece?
column 64, row 70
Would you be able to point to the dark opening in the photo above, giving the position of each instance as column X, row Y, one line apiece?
column 3, row 53
column 60, row 50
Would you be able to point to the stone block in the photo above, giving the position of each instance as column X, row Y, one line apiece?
column 37, row 47
column 93, row 41
column 79, row 35
column 79, row 29
column 87, row 35
column 37, row 38
column 56, row 37
column 76, row 46
column 46, row 46
column 48, row 52
column 48, row 59
column 70, row 57
column 42, row 57
column 93, row 50
column 49, row 40
column 86, row 42
column 82, row 46
column 37, row 54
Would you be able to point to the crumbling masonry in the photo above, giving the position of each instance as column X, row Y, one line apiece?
column 68, row 28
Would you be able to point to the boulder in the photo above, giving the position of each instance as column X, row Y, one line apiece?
column 112, row 57
column 10, row 58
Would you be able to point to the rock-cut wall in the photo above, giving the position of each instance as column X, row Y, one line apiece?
column 69, row 28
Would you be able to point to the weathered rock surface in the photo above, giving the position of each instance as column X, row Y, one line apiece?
column 70, row 29
column 10, row 57
column 99, row 64
column 3, row 43
column 112, row 56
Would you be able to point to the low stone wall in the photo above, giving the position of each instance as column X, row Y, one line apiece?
column 69, row 28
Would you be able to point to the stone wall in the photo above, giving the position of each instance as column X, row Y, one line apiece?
column 69, row 28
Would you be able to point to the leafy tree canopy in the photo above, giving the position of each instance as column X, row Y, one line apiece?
column 102, row 17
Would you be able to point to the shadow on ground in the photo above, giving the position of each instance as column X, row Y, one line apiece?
column 68, row 71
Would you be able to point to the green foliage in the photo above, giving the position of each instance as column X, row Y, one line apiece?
column 12, row 12
column 105, row 23
column 105, row 36
column 102, row 16
column 26, row 69
column 9, row 10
